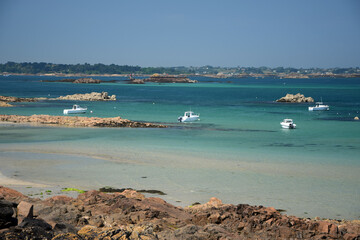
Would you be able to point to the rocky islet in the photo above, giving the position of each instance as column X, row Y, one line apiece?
column 295, row 98
column 93, row 96
column 76, row 121
column 156, row 78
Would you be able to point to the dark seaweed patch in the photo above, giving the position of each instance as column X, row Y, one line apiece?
column 341, row 119
column 283, row 145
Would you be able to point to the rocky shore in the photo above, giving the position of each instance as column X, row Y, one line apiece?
column 78, row 121
column 129, row 215
column 295, row 98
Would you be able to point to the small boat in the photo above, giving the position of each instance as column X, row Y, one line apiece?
column 75, row 109
column 189, row 117
column 319, row 106
column 288, row 123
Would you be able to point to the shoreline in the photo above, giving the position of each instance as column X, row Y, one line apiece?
column 178, row 194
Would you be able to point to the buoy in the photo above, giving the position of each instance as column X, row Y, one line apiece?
column 90, row 111
column 356, row 118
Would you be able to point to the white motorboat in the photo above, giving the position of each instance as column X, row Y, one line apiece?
column 75, row 109
column 319, row 106
column 189, row 117
column 288, row 123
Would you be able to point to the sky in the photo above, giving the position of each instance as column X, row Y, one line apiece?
column 227, row 33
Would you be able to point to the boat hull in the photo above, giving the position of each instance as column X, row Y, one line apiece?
column 318, row 108
column 72, row 111
column 188, row 119
column 288, row 126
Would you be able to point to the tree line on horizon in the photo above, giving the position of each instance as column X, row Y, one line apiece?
column 99, row 68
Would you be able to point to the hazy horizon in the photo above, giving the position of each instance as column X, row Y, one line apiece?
column 4, row 62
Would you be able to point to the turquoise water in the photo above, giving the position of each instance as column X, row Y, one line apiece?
column 237, row 152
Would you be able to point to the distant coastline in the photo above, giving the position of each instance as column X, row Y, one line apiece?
column 233, row 76
column 131, row 72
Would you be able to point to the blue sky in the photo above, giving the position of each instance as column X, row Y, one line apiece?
column 289, row 33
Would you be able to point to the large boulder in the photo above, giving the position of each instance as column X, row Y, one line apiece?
column 6, row 214
column 25, row 210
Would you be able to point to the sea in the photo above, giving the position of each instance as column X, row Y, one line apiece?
column 237, row 152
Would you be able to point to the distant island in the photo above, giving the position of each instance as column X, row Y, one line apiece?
column 79, row 80
column 157, row 78
column 82, row 70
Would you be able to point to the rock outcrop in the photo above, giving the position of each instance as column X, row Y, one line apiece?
column 98, row 215
column 5, row 104
column 297, row 98
column 86, row 80
column 94, row 96
column 75, row 121
column 6, row 99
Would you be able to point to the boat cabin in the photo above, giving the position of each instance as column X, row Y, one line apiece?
column 188, row 114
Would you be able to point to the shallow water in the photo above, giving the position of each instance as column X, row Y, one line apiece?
column 236, row 152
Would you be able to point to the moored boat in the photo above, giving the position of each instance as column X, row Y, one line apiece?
column 189, row 116
column 75, row 109
column 319, row 106
column 288, row 123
